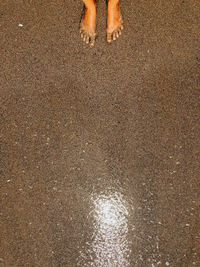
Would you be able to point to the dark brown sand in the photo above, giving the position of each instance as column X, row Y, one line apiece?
column 99, row 146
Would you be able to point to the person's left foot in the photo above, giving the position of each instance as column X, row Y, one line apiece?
column 114, row 23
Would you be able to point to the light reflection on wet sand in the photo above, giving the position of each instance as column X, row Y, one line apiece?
column 109, row 246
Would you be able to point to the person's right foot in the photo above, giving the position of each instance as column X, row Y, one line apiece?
column 88, row 25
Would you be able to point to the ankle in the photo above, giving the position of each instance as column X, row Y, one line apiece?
column 91, row 8
column 113, row 5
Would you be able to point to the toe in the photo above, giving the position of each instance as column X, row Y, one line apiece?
column 87, row 39
column 109, row 37
column 92, row 40
column 84, row 37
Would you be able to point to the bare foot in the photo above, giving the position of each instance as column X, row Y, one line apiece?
column 114, row 23
column 88, row 26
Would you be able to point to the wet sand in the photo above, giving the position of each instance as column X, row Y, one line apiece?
column 99, row 156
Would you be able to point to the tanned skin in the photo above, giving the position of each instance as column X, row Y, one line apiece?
column 88, row 23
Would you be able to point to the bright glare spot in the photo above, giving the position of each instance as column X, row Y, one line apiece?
column 110, row 244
